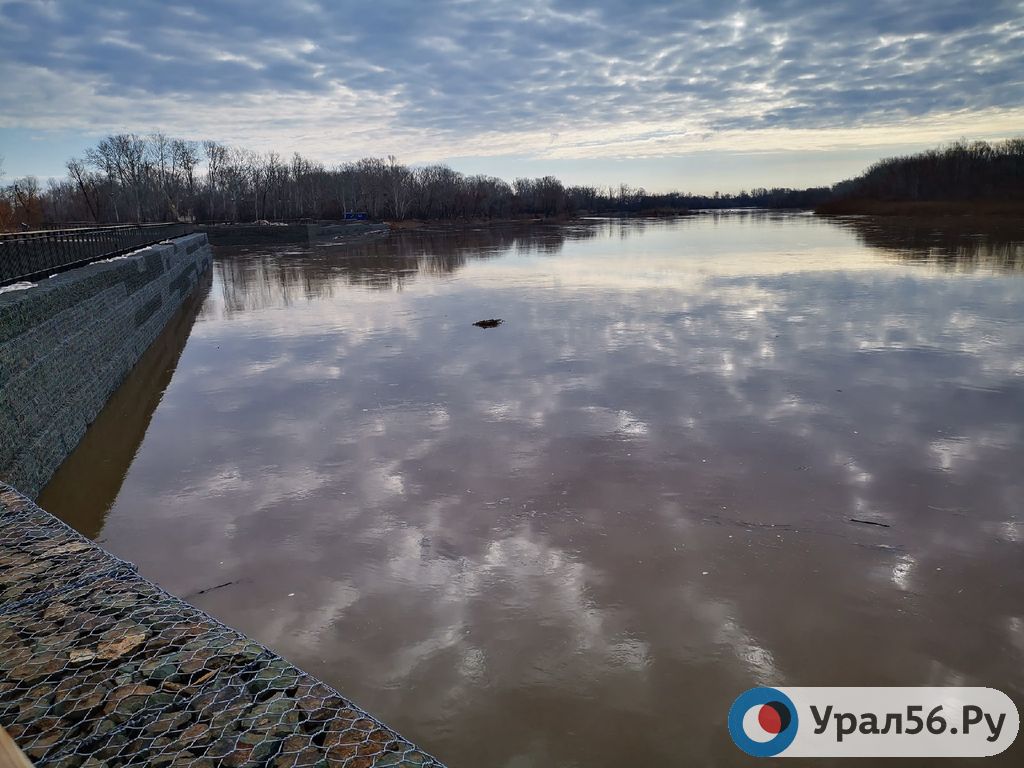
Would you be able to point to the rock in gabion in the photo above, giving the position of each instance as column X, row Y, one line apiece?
column 100, row 667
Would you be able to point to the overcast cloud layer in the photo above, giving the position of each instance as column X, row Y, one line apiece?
column 536, row 79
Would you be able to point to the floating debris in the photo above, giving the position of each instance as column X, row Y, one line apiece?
column 869, row 522
column 210, row 589
column 492, row 323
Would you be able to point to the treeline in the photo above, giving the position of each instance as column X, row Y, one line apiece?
column 979, row 172
column 625, row 199
column 133, row 178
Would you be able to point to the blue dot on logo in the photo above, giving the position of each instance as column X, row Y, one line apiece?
column 762, row 722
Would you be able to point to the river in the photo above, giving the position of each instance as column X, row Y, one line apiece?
column 697, row 455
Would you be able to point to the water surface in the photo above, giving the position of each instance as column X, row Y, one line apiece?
column 573, row 539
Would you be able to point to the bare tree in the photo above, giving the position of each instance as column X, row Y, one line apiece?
column 400, row 186
column 124, row 157
column 6, row 208
column 216, row 160
column 28, row 203
column 87, row 185
column 186, row 158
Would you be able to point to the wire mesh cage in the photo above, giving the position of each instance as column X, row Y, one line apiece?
column 100, row 667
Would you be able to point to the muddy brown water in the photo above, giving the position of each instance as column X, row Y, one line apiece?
column 574, row 538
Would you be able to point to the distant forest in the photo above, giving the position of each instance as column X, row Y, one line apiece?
column 155, row 178
column 989, row 176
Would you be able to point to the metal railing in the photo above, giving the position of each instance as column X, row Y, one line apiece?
column 38, row 254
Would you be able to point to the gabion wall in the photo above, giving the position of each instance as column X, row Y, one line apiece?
column 99, row 667
column 67, row 343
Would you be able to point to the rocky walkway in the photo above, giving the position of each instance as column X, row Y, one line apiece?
column 99, row 667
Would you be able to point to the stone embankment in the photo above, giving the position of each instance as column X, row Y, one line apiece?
column 100, row 667
column 67, row 342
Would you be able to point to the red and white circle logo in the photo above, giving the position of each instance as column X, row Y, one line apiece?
column 763, row 722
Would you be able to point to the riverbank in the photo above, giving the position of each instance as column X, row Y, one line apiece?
column 653, row 213
column 922, row 208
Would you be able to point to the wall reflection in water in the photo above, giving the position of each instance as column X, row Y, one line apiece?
column 88, row 482
column 573, row 539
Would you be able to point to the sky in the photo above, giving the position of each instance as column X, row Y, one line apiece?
column 697, row 96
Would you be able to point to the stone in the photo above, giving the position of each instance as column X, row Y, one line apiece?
column 299, row 756
column 198, row 733
column 104, row 727
column 56, row 611
column 81, row 655
column 42, row 744
column 128, row 699
column 149, row 667
column 341, row 752
column 167, row 722
column 221, row 748
column 78, row 709
column 390, row 760
column 113, row 747
column 162, row 699
column 67, row 549
column 251, row 747
column 264, row 750
column 196, row 661
column 205, row 677
column 364, row 724
column 309, row 703
column 273, row 708
column 114, row 649
column 228, row 716
column 36, row 668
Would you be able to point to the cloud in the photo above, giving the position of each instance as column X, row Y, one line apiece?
column 541, row 78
